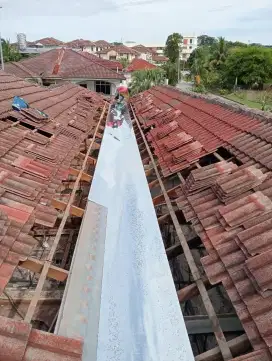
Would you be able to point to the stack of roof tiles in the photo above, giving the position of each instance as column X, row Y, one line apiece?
column 236, row 230
column 203, row 178
column 211, row 125
column 35, row 155
column 20, row 342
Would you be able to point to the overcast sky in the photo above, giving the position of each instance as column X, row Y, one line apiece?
column 142, row 21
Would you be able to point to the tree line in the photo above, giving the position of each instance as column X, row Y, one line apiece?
column 221, row 64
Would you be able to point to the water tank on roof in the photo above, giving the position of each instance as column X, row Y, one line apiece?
column 21, row 39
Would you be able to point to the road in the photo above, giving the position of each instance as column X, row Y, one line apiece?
column 183, row 85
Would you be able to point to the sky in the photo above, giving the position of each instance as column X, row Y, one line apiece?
column 142, row 21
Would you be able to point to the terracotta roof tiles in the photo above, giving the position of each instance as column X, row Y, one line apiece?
column 78, row 43
column 63, row 63
column 229, row 206
column 120, row 49
column 102, row 43
column 35, row 155
column 209, row 124
column 142, row 49
column 48, row 42
column 20, row 342
column 140, row 64
column 111, row 64
column 159, row 58
column 236, row 236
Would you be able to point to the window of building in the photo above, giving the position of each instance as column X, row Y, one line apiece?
column 103, row 87
column 83, row 85
column 112, row 57
column 190, row 47
column 191, row 41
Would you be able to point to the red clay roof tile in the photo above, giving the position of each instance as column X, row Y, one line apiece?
column 48, row 42
column 102, row 43
column 80, row 43
column 111, row 64
column 63, row 63
column 19, row 342
column 232, row 243
column 30, row 171
column 32, row 167
column 140, row 64
column 210, row 124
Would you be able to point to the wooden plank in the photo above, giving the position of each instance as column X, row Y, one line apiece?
column 164, row 218
column 160, row 198
column 218, row 156
column 74, row 211
column 90, row 160
column 177, row 250
column 188, row 292
column 47, row 264
column 84, row 176
column 67, row 249
column 201, row 324
column 153, row 184
column 36, row 266
column 52, row 232
column 238, row 346
column 182, row 180
column 148, row 172
column 99, row 135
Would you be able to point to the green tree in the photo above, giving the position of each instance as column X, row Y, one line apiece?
column 10, row 52
column 144, row 79
column 171, row 71
column 236, row 44
column 219, row 52
column 124, row 62
column 205, row 40
column 198, row 61
column 172, row 47
column 249, row 66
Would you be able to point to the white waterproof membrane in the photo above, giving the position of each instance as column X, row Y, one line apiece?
column 139, row 314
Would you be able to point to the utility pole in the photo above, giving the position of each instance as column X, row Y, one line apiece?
column 1, row 49
column 179, row 65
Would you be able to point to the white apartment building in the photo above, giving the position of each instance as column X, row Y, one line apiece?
column 188, row 46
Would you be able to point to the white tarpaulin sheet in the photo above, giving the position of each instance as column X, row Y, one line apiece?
column 140, row 316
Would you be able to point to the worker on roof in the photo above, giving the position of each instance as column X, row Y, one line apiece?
column 121, row 93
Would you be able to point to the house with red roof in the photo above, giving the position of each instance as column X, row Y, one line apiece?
column 136, row 65
column 145, row 53
column 60, row 65
column 139, row 64
column 102, row 44
column 116, row 52
column 159, row 59
column 50, row 43
column 111, row 64
column 81, row 44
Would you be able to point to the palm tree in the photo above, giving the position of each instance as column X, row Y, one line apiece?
column 144, row 79
column 219, row 53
